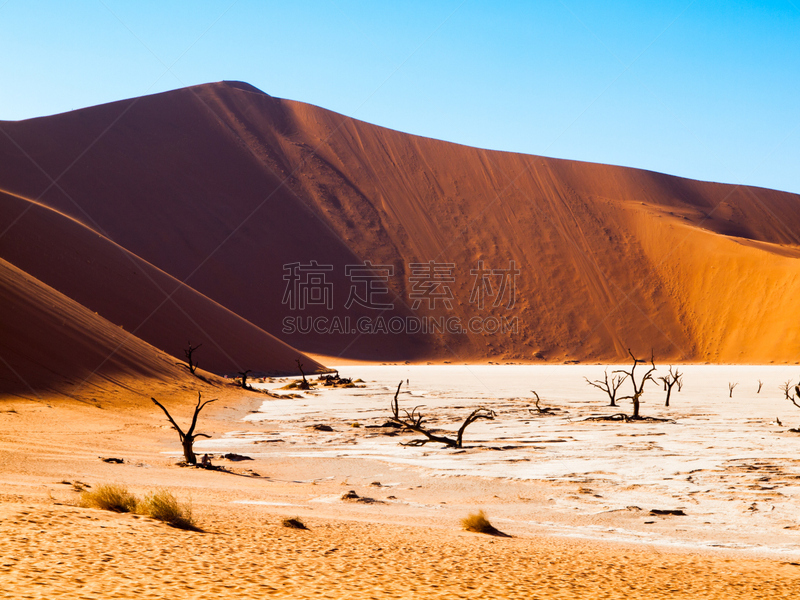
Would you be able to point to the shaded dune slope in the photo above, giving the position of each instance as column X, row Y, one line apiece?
column 129, row 292
column 50, row 343
column 221, row 185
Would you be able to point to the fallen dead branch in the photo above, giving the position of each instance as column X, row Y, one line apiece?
column 628, row 418
column 548, row 410
column 414, row 421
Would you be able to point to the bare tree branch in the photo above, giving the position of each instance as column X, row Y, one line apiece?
column 414, row 421
column 609, row 387
column 792, row 398
column 171, row 420
column 188, row 438
column 638, row 389
column 305, row 385
column 191, row 364
column 670, row 380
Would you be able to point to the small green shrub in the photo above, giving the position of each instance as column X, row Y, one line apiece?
column 109, row 496
column 162, row 505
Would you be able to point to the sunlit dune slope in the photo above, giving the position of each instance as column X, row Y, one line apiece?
column 221, row 185
column 132, row 294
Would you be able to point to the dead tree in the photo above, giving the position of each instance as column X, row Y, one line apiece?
column 730, row 388
column 760, row 383
column 785, row 387
column 244, row 379
column 796, row 392
column 191, row 364
column 188, row 438
column 670, row 380
column 414, row 421
column 542, row 411
column 609, row 387
column 305, row 385
column 794, row 398
column 638, row 388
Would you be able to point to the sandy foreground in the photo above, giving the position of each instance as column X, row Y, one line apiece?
column 394, row 546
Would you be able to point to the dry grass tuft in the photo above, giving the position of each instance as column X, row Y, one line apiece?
column 162, row 505
column 109, row 496
column 295, row 523
column 478, row 523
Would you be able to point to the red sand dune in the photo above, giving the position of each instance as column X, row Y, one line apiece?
column 221, row 185
column 49, row 342
column 108, row 280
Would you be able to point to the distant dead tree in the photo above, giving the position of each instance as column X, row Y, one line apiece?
column 191, row 364
column 305, row 385
column 785, row 387
column 542, row 411
column 730, row 388
column 188, row 438
column 671, row 379
column 414, row 421
column 794, row 398
column 609, row 386
column 638, row 388
column 795, row 392
column 760, row 384
column 244, row 379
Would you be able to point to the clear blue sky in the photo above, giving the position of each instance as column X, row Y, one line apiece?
column 705, row 89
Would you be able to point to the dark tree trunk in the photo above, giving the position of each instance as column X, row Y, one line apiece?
column 188, row 451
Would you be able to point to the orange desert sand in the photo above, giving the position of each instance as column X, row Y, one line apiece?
column 131, row 229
